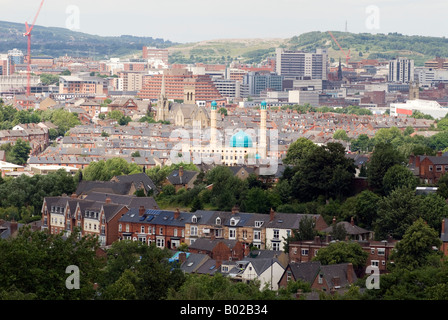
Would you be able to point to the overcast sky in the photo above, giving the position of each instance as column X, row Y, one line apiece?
column 196, row 20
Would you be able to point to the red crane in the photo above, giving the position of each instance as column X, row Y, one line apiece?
column 347, row 56
column 28, row 34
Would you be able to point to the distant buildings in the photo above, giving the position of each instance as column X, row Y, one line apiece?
column 261, row 81
column 429, row 107
column 292, row 64
column 401, row 70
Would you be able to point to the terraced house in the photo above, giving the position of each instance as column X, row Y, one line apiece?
column 98, row 217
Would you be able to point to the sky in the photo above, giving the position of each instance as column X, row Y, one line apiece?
column 197, row 20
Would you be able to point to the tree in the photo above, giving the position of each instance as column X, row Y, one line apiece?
column 298, row 150
column 324, row 171
column 340, row 134
column 416, row 249
column 64, row 120
column 398, row 176
column 34, row 264
column 20, row 152
column 342, row 252
column 106, row 170
column 383, row 157
column 402, row 207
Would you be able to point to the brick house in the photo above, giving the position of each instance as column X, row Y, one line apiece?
column 378, row 251
column 219, row 249
column 164, row 228
column 63, row 214
column 429, row 168
column 333, row 277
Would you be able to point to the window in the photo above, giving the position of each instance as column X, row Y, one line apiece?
column 375, row 263
column 218, row 221
column 276, row 246
column 232, row 233
column 372, row 250
column 304, row 252
column 175, row 232
column 194, row 219
column 258, row 224
column 193, row 230
column 288, row 275
column 430, row 168
column 257, row 235
column 244, row 234
column 160, row 243
column 320, row 279
column 381, row 251
column 142, row 229
column 127, row 228
column 438, row 168
column 276, row 233
column 160, row 230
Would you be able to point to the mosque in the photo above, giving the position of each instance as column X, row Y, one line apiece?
column 232, row 146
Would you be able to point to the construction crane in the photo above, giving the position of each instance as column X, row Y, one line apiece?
column 28, row 34
column 347, row 56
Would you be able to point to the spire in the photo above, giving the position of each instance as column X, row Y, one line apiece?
column 162, row 91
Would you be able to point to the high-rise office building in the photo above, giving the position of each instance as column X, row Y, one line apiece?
column 261, row 81
column 293, row 64
column 401, row 70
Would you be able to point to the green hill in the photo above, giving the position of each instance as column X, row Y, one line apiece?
column 56, row 42
column 60, row 41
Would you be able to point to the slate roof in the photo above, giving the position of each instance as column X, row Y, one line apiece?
column 128, row 200
column 175, row 179
column 332, row 271
column 103, row 186
column 349, row 228
column 305, row 271
column 137, row 179
column 208, row 244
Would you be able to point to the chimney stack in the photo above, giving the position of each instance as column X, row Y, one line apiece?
column 350, row 272
column 352, row 221
column 271, row 214
column 13, row 227
column 235, row 209
column 108, row 200
column 73, row 196
column 443, row 226
column 182, row 257
column 176, row 214
column 141, row 211
column 181, row 173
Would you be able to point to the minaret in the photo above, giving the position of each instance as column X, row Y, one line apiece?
column 262, row 149
column 213, row 125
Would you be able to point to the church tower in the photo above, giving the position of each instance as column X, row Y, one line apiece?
column 162, row 104
column 189, row 91
column 414, row 91
column 262, row 148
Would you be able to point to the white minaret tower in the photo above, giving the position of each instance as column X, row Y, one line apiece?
column 213, row 125
column 262, row 148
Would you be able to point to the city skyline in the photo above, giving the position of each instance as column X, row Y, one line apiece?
column 197, row 20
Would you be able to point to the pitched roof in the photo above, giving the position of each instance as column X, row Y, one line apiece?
column 208, row 244
column 103, row 186
column 306, row 271
column 332, row 271
column 175, row 178
column 129, row 200
column 137, row 179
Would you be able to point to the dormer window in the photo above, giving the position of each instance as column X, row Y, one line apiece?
column 233, row 221
column 194, row 219
column 218, row 221
column 258, row 224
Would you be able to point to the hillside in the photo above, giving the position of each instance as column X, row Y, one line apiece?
column 362, row 46
column 60, row 41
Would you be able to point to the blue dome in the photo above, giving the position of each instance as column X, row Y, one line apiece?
column 241, row 140
column 214, row 104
